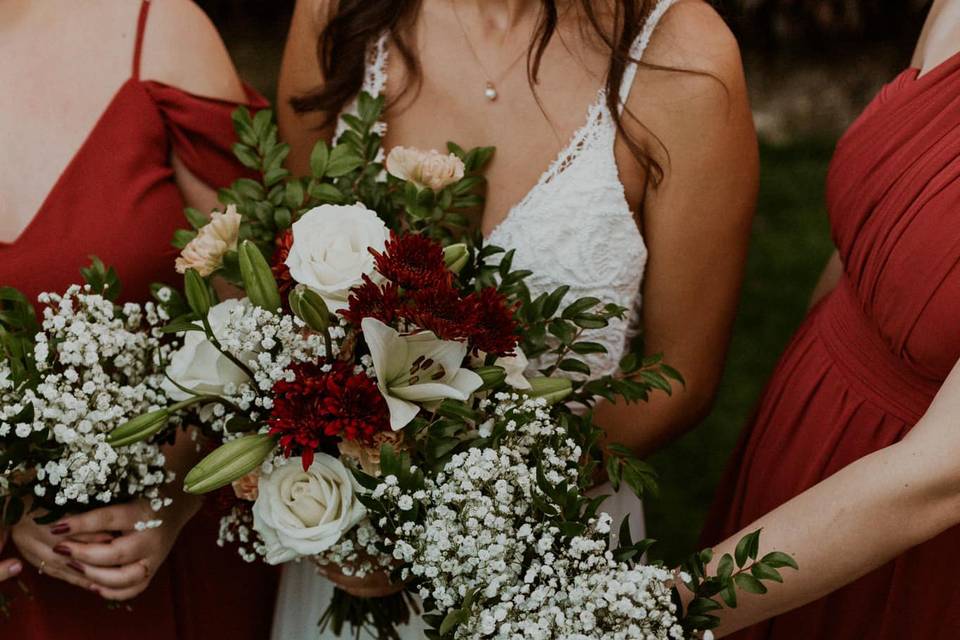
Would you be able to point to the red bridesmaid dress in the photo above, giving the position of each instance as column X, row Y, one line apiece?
column 869, row 358
column 117, row 199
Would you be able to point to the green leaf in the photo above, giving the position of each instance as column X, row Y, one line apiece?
column 578, row 307
column 343, row 160
column 247, row 156
column 748, row 583
column 778, row 559
column 585, row 348
column 196, row 218
column 262, row 122
column 746, row 548
column 243, row 125
column 729, row 595
column 182, row 237
column 700, row 606
column 761, row 571
column 564, row 331
column 325, row 193
column 319, row 158
column 275, row 175
column 725, row 566
column 553, row 301
column 574, row 366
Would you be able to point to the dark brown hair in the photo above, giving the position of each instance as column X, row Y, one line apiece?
column 342, row 52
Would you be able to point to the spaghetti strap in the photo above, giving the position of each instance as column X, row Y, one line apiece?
column 639, row 47
column 138, row 45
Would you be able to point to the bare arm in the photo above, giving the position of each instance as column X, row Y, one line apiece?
column 183, row 49
column 696, row 222
column 863, row 516
column 299, row 74
column 828, row 279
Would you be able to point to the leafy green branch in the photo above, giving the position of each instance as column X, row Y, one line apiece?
column 743, row 571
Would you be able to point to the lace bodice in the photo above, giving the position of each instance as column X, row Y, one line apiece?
column 575, row 226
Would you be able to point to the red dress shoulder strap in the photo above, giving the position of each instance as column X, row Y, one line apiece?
column 138, row 44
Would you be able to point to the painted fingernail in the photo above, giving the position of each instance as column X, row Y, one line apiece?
column 16, row 568
column 62, row 550
column 60, row 529
column 76, row 566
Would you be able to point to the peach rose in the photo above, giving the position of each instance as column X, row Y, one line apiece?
column 247, row 487
column 217, row 237
column 368, row 456
column 426, row 169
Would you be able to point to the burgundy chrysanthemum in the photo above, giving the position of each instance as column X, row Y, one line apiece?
column 495, row 329
column 441, row 309
column 412, row 261
column 319, row 407
column 281, row 272
column 371, row 300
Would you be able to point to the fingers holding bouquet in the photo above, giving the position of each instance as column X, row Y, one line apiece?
column 10, row 567
column 116, row 550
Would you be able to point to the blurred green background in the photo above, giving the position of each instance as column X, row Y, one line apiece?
column 811, row 65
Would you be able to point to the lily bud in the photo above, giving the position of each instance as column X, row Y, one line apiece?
column 492, row 376
column 229, row 462
column 139, row 429
column 309, row 306
column 198, row 295
column 258, row 278
column 553, row 390
column 456, row 256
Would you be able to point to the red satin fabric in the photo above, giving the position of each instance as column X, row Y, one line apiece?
column 117, row 199
column 869, row 358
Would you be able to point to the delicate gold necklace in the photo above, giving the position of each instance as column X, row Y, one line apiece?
column 490, row 86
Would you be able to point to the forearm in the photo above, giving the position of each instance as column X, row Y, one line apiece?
column 181, row 456
column 644, row 427
column 846, row 526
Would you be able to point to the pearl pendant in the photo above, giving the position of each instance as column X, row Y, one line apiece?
column 490, row 93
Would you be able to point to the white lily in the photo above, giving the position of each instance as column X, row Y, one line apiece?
column 416, row 369
column 515, row 366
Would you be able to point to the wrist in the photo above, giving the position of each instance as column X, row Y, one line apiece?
column 183, row 508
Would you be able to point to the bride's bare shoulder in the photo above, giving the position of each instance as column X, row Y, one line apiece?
column 692, row 69
column 693, row 36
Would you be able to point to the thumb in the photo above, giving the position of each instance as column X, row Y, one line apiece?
column 10, row 568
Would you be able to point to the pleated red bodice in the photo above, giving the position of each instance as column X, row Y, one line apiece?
column 117, row 199
column 869, row 358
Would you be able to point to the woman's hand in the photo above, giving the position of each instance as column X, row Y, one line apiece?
column 374, row 585
column 102, row 550
column 10, row 567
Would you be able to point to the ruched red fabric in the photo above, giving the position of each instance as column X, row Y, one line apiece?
column 117, row 199
column 869, row 358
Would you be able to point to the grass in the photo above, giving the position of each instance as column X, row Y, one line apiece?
column 790, row 245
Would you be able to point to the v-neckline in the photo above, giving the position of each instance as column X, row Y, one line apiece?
column 942, row 67
column 567, row 154
column 70, row 164
column 378, row 77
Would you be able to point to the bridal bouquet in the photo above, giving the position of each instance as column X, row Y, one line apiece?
column 67, row 380
column 368, row 384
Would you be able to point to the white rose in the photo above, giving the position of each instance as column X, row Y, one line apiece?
column 198, row 365
column 303, row 513
column 331, row 246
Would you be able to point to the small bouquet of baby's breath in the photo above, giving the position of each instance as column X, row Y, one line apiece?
column 67, row 379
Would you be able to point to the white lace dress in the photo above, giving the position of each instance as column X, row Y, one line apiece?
column 578, row 197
